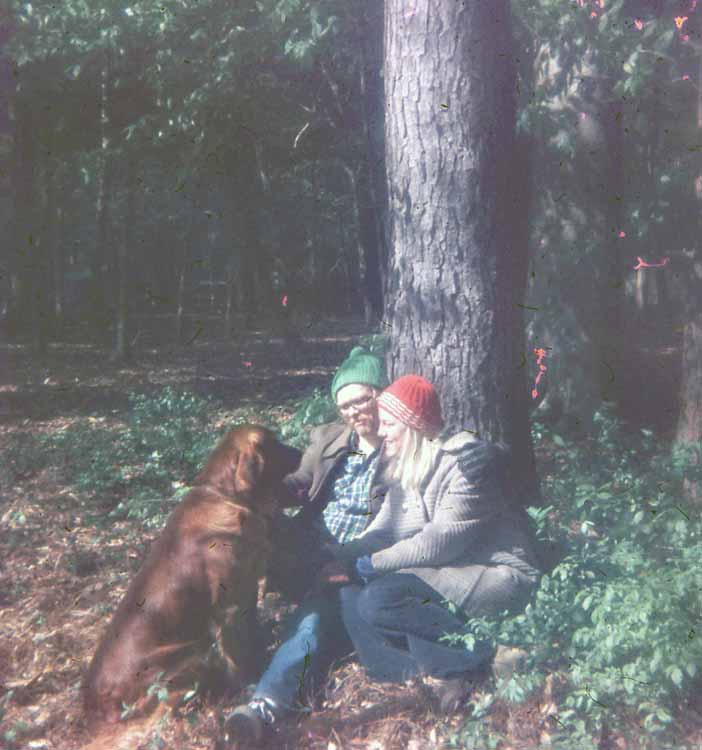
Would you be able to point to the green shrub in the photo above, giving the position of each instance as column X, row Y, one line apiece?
column 619, row 617
column 135, row 469
column 310, row 411
column 21, row 458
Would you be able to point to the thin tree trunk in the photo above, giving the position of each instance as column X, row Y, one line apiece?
column 184, row 266
column 103, row 303
column 52, row 249
column 24, row 255
column 364, row 245
column 689, row 432
column 689, row 429
column 371, row 24
column 58, row 267
column 122, row 350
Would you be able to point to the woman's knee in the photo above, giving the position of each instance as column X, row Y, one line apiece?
column 372, row 601
column 501, row 588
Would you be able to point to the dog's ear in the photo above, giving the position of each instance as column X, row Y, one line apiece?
column 249, row 467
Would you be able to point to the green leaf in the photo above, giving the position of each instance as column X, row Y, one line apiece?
column 676, row 676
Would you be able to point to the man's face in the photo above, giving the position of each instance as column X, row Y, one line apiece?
column 357, row 407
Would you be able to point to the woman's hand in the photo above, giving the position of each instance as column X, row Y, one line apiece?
column 364, row 568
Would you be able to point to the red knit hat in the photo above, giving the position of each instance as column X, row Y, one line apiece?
column 413, row 400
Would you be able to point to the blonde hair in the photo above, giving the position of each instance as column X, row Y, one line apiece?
column 415, row 460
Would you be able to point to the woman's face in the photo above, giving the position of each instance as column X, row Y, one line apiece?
column 393, row 431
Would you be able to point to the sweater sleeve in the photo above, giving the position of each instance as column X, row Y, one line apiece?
column 466, row 503
column 378, row 535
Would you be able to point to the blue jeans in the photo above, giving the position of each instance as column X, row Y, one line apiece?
column 395, row 623
column 314, row 638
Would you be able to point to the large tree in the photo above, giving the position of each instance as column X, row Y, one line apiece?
column 458, row 268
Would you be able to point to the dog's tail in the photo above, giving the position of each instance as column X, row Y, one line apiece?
column 128, row 734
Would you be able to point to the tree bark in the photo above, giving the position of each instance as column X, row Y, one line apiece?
column 31, row 241
column 689, row 429
column 122, row 348
column 372, row 182
column 457, row 274
column 366, row 249
column 102, row 298
column 54, row 251
column 57, row 264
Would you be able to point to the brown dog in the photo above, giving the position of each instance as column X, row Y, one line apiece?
column 194, row 600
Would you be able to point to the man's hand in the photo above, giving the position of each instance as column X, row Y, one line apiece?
column 333, row 573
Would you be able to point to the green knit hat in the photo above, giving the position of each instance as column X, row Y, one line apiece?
column 360, row 367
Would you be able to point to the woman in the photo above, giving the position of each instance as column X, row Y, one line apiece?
column 443, row 533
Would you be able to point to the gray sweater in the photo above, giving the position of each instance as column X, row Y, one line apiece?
column 457, row 522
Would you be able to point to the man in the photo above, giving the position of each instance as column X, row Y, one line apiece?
column 339, row 484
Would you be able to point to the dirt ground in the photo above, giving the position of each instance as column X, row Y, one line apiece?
column 60, row 580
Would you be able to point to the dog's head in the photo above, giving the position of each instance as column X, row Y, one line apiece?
column 248, row 458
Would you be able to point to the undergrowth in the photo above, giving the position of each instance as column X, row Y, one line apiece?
column 141, row 468
column 618, row 620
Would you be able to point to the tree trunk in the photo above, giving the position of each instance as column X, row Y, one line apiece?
column 52, row 251
column 366, row 247
column 122, row 349
column 58, row 268
column 23, row 258
column 186, row 253
column 372, row 183
column 689, row 430
column 102, row 297
column 457, row 275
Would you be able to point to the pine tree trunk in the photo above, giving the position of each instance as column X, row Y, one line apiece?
column 24, row 254
column 457, row 274
column 122, row 349
column 371, row 25
column 102, row 297
column 689, row 430
column 188, row 242
column 366, row 249
column 57, row 265
column 52, row 251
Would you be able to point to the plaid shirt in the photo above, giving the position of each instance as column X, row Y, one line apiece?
column 348, row 511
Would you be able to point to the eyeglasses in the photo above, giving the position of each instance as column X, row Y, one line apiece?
column 359, row 404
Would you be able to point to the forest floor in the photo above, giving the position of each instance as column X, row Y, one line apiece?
column 61, row 577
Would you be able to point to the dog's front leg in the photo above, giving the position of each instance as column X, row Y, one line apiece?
column 237, row 643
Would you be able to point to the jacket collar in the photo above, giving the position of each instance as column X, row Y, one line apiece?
column 339, row 444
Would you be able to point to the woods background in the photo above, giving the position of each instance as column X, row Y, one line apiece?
column 244, row 189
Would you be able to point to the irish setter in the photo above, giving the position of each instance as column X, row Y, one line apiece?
column 191, row 609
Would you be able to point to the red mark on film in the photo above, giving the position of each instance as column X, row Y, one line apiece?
column 247, row 364
column 680, row 20
column 540, row 354
column 642, row 263
column 284, row 301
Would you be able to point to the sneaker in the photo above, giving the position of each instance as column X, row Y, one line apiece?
column 450, row 693
column 251, row 722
